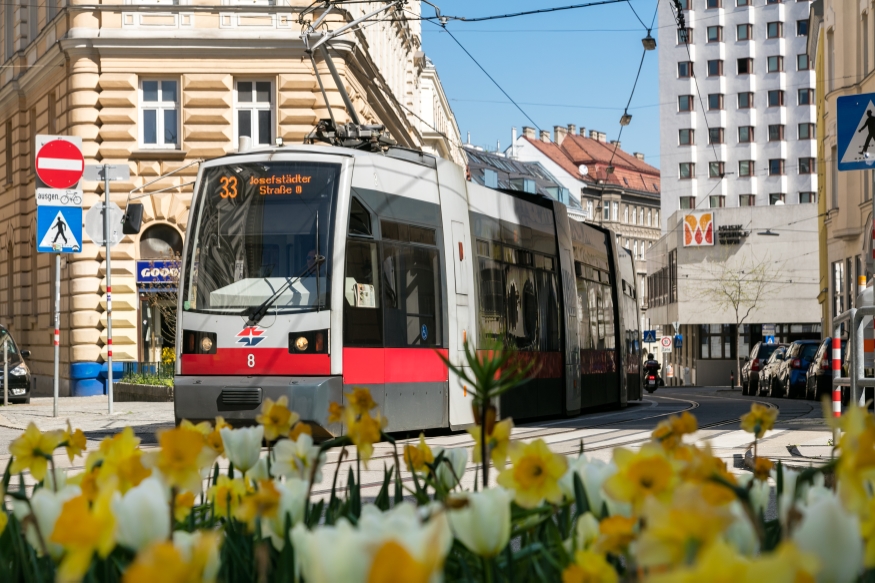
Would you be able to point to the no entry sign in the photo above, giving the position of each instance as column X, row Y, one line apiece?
column 59, row 163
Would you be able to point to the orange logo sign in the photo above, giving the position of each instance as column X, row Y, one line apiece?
column 698, row 230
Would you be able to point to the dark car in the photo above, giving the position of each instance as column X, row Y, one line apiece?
column 20, row 380
column 818, row 381
column 790, row 380
column 769, row 374
column 753, row 365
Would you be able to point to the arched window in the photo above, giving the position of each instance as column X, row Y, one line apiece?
column 160, row 242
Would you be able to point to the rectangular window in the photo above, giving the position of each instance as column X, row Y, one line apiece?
column 715, row 68
column 687, row 170
column 685, row 69
column 776, row 133
column 717, row 201
column 744, row 32
column 52, row 11
column 774, row 30
column 745, row 100
column 838, row 288
column 776, row 197
column 685, row 137
column 254, row 109
column 715, row 135
column 685, row 36
column 33, row 21
column 714, row 3
column 775, row 64
column 715, row 169
column 607, row 212
column 834, row 179
column 747, row 200
column 8, row 35
column 776, row 167
column 8, row 144
column 685, row 103
column 802, row 28
column 685, row 4
column 807, row 166
column 776, row 98
column 159, row 113
column 716, row 341
column 773, row 1
column 490, row 178
column 616, row 211
column 411, row 312
column 715, row 34
column 742, row 2
column 687, row 202
column 806, row 131
column 53, row 121
column 715, row 101
column 807, row 197
column 802, row 62
column 745, row 66
column 745, row 167
column 806, row 96
column 745, row 134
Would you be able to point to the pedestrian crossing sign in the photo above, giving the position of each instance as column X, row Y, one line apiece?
column 855, row 126
column 59, row 229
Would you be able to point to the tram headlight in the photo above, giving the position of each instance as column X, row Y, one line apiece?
column 301, row 343
column 206, row 344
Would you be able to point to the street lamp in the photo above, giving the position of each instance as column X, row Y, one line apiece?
column 626, row 119
column 769, row 233
column 649, row 42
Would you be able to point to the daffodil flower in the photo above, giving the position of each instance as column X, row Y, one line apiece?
column 160, row 562
column 482, row 524
column 615, row 534
column 497, row 442
column 32, row 451
column 142, row 514
column 290, row 510
column 452, row 467
column 264, row 503
column 74, row 442
column 589, row 567
column 226, row 494
column 276, row 418
column 417, row 457
column 296, row 459
column 182, row 505
column 364, row 431
column 120, row 462
column 202, row 551
column 45, row 507
column 179, row 457
column 759, row 420
column 593, row 474
column 535, row 474
column 832, row 535
column 640, row 475
column 360, row 400
column 83, row 530
column 243, row 446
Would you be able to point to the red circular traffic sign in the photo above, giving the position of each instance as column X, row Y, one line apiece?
column 60, row 164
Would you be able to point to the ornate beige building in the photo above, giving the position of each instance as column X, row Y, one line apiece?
column 156, row 85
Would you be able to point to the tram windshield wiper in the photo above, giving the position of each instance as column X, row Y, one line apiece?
column 256, row 313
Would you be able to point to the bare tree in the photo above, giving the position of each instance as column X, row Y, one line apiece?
column 738, row 285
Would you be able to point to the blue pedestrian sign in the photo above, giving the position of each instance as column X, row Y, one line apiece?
column 855, row 126
column 769, row 340
column 678, row 341
column 649, row 336
column 59, row 229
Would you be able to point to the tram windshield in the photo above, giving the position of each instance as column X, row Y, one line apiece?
column 258, row 229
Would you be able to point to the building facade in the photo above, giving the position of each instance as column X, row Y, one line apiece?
column 612, row 188
column 735, row 248
column 156, row 86
column 737, row 114
column 842, row 46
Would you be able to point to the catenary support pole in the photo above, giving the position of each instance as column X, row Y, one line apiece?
column 5, row 371
column 836, row 373
column 57, row 319
column 106, row 241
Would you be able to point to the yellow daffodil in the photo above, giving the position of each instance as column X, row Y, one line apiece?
column 335, row 412
column 4, row 520
column 760, row 419
column 417, row 456
column 670, row 432
column 226, row 495
column 178, row 458
column 182, row 505
column 364, row 431
column 160, row 562
column 394, row 564
column 762, row 467
column 360, row 400
column 787, row 564
column 263, row 503
column 615, row 534
column 276, row 418
column 32, row 451
column 300, row 428
column 701, row 467
column 640, row 475
column 497, row 442
column 214, row 437
column 589, row 567
column 74, row 441
column 202, row 551
column 120, row 461
column 534, row 476
column 719, row 563
column 82, row 530
column 856, row 467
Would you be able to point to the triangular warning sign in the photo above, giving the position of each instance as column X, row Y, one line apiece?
column 59, row 236
column 857, row 150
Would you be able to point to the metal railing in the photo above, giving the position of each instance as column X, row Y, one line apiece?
column 856, row 378
column 159, row 370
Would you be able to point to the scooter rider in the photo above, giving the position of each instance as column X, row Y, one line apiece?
column 652, row 365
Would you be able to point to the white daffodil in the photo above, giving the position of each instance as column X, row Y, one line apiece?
column 759, row 491
column 259, row 471
column 187, row 543
column 450, row 472
column 593, row 474
column 142, row 514
column 830, row 533
column 328, row 554
column 293, row 500
column 586, row 531
column 741, row 534
column 295, row 459
column 483, row 524
column 46, row 505
column 243, row 446
column 59, row 475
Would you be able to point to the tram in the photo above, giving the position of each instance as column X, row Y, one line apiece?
column 309, row 269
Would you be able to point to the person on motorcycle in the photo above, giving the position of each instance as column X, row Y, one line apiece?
column 651, row 364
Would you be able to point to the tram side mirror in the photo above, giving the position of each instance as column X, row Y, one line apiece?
column 25, row 353
column 133, row 218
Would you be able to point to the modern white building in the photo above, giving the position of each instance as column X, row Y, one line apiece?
column 737, row 106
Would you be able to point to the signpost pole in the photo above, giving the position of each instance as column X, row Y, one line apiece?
column 106, row 237
column 57, row 334
column 5, row 371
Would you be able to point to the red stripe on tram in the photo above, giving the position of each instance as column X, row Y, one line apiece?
column 393, row 365
column 264, row 361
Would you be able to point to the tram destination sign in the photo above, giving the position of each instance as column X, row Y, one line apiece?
column 731, row 234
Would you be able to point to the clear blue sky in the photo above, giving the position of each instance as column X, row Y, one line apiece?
column 576, row 66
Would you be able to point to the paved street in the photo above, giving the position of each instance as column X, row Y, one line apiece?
column 800, row 437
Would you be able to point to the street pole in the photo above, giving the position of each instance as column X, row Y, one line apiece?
column 106, row 241
column 5, row 371
column 57, row 333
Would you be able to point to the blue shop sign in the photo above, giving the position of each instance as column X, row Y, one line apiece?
column 157, row 271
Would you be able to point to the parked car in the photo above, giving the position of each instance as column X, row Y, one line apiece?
column 769, row 374
column 818, row 380
column 790, row 379
column 753, row 365
column 20, row 380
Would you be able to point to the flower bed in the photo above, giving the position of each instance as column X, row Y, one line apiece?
column 668, row 512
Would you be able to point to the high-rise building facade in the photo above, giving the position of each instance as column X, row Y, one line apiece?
column 737, row 111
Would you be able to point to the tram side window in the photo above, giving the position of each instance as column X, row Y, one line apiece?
column 362, row 312
column 585, row 323
column 492, row 309
column 411, row 283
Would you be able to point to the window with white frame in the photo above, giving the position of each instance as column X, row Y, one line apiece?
column 254, row 111
column 159, row 113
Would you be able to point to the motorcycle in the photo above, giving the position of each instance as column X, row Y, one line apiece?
column 651, row 382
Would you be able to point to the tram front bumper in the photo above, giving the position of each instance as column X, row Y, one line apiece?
column 239, row 399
